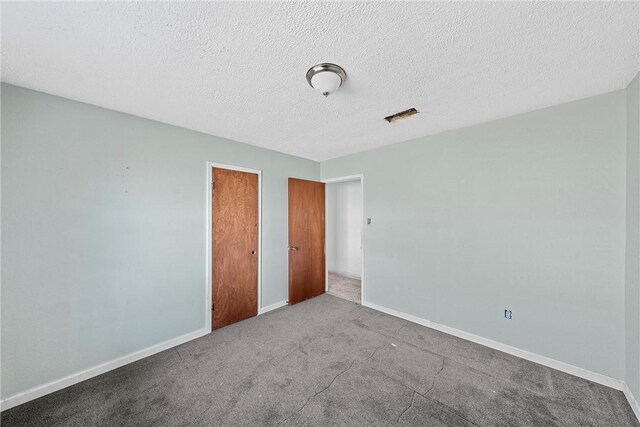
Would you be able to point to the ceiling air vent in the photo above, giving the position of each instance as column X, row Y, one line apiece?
column 401, row 115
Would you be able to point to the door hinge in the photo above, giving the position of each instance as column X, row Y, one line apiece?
column 213, row 185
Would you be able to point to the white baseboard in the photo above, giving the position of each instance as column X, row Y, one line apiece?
column 50, row 387
column 271, row 307
column 41, row 390
column 632, row 401
column 533, row 357
column 524, row 354
column 345, row 274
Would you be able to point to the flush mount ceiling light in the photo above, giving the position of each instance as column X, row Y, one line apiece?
column 326, row 78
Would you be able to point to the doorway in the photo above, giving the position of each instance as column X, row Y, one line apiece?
column 233, row 244
column 344, row 238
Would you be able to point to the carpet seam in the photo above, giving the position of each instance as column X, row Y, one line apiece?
column 353, row 362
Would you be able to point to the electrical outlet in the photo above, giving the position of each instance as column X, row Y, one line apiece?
column 507, row 314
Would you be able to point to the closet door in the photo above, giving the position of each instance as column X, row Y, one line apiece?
column 235, row 246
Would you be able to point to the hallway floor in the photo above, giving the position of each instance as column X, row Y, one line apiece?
column 344, row 287
column 327, row 361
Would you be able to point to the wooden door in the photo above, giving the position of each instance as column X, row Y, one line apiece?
column 235, row 246
column 306, row 240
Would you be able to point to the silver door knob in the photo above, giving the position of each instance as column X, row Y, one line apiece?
column 293, row 248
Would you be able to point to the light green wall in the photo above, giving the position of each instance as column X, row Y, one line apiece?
column 525, row 213
column 103, row 220
column 633, row 240
column 103, row 226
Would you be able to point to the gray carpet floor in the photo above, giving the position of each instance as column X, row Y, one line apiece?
column 328, row 361
column 344, row 287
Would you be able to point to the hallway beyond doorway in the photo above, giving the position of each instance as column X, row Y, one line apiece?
column 344, row 287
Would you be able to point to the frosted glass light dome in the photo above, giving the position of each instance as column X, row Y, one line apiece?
column 326, row 78
column 326, row 82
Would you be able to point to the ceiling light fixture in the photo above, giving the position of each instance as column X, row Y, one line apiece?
column 326, row 78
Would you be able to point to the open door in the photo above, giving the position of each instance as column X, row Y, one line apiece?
column 306, row 240
column 235, row 246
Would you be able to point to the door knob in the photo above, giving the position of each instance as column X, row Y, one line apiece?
column 293, row 248
column 253, row 252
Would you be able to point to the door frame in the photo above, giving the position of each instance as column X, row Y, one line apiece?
column 209, row 242
column 359, row 177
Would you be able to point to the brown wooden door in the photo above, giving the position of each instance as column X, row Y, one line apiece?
column 235, row 246
column 306, row 240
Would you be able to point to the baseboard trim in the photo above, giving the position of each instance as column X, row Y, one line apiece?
column 345, row 274
column 533, row 357
column 632, row 401
column 524, row 354
column 272, row 307
column 50, row 387
column 42, row 390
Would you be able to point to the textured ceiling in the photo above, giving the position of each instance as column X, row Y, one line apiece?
column 237, row 70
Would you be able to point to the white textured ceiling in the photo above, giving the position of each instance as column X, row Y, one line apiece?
column 237, row 70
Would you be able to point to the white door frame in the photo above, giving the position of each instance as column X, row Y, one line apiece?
column 359, row 177
column 209, row 243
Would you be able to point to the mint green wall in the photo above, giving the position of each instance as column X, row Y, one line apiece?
column 103, row 226
column 103, row 220
column 633, row 240
column 525, row 213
